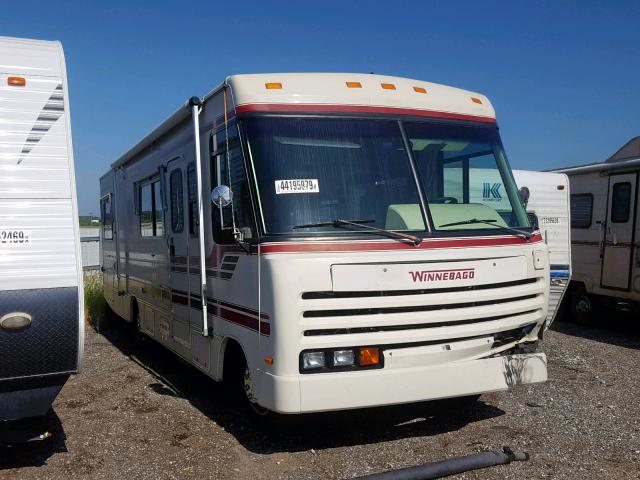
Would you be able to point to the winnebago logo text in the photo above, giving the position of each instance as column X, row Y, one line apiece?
column 443, row 275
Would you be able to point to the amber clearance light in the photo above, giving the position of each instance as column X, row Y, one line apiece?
column 16, row 81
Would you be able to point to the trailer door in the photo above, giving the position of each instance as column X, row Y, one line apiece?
column 178, row 244
column 619, row 231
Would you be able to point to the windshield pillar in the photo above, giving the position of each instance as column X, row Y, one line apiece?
column 414, row 170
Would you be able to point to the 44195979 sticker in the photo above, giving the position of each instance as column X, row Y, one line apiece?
column 15, row 238
column 304, row 185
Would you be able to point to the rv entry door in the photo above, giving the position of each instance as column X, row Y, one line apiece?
column 178, row 245
column 619, row 231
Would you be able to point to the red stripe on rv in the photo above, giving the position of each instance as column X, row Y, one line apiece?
column 377, row 246
column 297, row 107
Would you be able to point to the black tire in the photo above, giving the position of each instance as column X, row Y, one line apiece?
column 238, row 383
column 581, row 306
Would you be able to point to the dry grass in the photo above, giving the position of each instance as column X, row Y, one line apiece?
column 94, row 303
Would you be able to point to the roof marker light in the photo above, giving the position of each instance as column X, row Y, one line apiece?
column 16, row 81
column 476, row 100
column 273, row 85
column 388, row 86
column 420, row 89
column 354, row 85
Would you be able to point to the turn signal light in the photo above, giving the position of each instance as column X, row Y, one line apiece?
column 369, row 356
column 16, row 81
column 273, row 85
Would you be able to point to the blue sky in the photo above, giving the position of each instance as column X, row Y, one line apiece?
column 564, row 77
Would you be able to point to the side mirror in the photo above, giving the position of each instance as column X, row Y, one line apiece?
column 221, row 196
column 524, row 195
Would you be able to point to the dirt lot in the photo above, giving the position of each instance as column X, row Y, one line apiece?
column 136, row 412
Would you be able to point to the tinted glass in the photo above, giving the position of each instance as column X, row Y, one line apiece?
column 192, row 196
column 158, row 211
column 318, row 170
column 146, row 211
column 621, row 202
column 107, row 219
column 581, row 209
column 465, row 176
column 177, row 210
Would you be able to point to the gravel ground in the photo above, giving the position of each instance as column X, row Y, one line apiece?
column 137, row 412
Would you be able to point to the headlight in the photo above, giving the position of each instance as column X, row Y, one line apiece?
column 312, row 360
column 343, row 358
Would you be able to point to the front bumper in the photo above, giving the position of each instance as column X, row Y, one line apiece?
column 346, row 390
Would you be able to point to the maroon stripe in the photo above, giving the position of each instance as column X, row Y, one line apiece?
column 372, row 246
column 297, row 107
column 217, row 307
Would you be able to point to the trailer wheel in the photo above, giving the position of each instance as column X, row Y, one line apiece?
column 581, row 306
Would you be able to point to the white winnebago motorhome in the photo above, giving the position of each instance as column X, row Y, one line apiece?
column 547, row 204
column 41, row 296
column 293, row 234
column 604, row 232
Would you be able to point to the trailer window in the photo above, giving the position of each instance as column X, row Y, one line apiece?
column 107, row 218
column 192, row 199
column 581, row 210
column 177, row 209
column 621, row 202
column 151, row 213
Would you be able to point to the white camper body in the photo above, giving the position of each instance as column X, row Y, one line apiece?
column 549, row 202
column 295, row 294
column 41, row 296
column 605, row 231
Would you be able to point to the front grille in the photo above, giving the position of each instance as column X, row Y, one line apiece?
column 391, row 293
column 418, row 308
column 395, row 328
column 424, row 314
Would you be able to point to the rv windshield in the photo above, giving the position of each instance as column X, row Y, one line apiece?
column 318, row 170
column 465, row 176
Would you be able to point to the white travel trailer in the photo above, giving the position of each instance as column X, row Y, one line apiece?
column 41, row 296
column 337, row 268
column 548, row 207
column 604, row 232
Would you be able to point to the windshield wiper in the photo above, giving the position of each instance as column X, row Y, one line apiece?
column 489, row 221
column 363, row 224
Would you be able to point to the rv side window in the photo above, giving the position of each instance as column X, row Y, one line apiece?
column 151, row 213
column 621, row 202
column 107, row 218
column 230, row 171
column 192, row 198
column 177, row 210
column 581, row 210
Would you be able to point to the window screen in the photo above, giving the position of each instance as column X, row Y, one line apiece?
column 177, row 210
column 107, row 218
column 581, row 210
column 621, row 202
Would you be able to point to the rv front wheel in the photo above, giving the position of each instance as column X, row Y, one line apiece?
column 250, row 396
